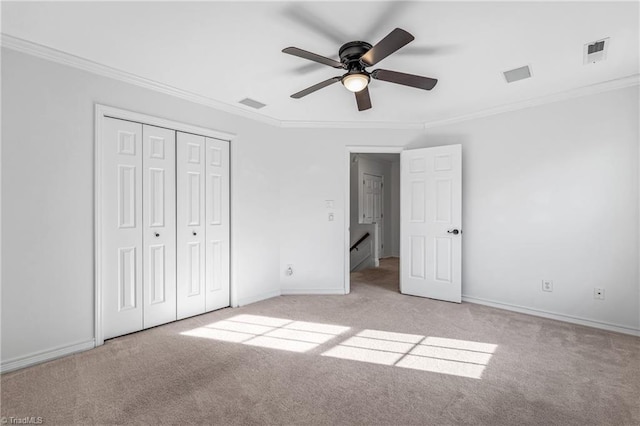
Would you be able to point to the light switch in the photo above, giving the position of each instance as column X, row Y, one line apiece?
column 330, row 217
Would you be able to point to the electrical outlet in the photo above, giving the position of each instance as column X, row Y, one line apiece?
column 598, row 293
column 547, row 285
column 289, row 271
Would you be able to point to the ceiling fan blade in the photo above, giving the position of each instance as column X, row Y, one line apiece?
column 390, row 12
column 308, row 19
column 312, row 57
column 363, row 99
column 315, row 87
column 385, row 47
column 417, row 81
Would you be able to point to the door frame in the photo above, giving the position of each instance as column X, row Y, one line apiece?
column 104, row 111
column 354, row 149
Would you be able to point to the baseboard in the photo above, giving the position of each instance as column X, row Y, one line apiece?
column 253, row 299
column 552, row 315
column 312, row 291
column 44, row 356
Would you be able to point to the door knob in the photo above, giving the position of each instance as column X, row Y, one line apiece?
column 453, row 231
column 156, row 234
column 195, row 233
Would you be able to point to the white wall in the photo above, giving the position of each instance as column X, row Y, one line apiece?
column 549, row 192
column 47, row 198
column 307, row 239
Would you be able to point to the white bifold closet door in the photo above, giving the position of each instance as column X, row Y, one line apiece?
column 138, row 264
column 159, row 225
column 217, row 224
column 202, row 166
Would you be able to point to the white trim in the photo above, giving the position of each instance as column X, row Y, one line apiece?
column 103, row 111
column 312, row 291
column 351, row 125
column 258, row 298
column 366, row 149
column 57, row 56
column 620, row 83
column 44, row 356
column 234, row 174
column 123, row 114
column 97, row 226
column 60, row 57
column 553, row 315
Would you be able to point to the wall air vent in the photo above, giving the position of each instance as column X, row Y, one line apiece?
column 252, row 103
column 595, row 51
column 517, row 74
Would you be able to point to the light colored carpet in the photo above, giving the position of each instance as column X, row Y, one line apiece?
column 442, row 364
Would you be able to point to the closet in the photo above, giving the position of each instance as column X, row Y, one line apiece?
column 164, row 248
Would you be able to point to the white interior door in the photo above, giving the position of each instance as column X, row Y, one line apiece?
column 217, row 227
column 190, row 170
column 430, row 222
column 159, row 235
column 372, row 199
column 121, row 254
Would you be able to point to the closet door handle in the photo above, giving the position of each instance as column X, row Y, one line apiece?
column 156, row 234
column 195, row 233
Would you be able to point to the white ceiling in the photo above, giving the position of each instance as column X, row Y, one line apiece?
column 227, row 51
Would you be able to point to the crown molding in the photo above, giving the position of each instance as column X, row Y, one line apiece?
column 619, row 83
column 54, row 55
column 351, row 125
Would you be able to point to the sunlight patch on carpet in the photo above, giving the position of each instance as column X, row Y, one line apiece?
column 442, row 355
column 434, row 354
column 269, row 332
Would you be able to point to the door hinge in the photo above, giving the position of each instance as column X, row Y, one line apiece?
column 381, row 215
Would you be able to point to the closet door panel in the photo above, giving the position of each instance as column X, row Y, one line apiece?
column 122, row 249
column 159, row 223
column 190, row 169
column 217, row 224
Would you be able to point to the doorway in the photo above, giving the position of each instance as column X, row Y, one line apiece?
column 373, row 225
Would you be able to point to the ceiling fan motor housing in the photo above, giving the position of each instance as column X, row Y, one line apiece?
column 350, row 54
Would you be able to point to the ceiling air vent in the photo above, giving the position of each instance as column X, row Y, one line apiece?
column 517, row 74
column 252, row 103
column 596, row 51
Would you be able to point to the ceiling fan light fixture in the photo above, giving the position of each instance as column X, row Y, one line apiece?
column 355, row 82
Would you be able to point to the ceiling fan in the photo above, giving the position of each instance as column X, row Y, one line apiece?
column 355, row 56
